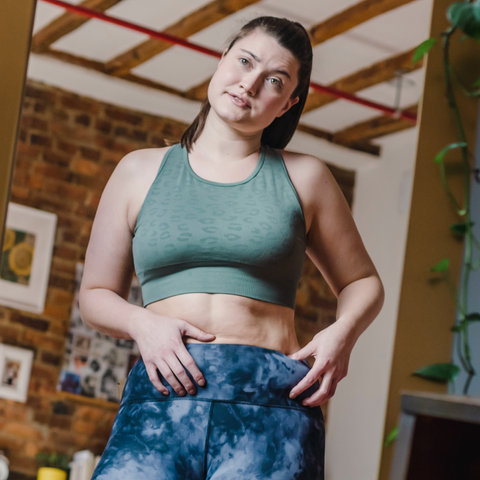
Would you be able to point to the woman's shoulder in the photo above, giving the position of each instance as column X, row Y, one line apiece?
column 139, row 162
column 306, row 169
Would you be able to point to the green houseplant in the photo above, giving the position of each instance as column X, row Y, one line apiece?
column 464, row 17
column 54, row 466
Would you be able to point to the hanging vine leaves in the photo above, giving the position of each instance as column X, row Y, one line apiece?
column 441, row 266
column 466, row 17
column 438, row 372
column 423, row 49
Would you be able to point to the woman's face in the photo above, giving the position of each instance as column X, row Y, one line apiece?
column 253, row 83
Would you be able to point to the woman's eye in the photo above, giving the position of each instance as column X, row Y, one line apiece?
column 244, row 61
column 275, row 81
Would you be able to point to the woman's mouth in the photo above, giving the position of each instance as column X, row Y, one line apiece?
column 238, row 101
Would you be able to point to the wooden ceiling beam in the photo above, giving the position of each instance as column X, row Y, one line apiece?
column 66, row 23
column 360, row 145
column 374, row 128
column 193, row 23
column 352, row 17
column 383, row 71
column 100, row 67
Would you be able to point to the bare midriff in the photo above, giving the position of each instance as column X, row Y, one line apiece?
column 233, row 319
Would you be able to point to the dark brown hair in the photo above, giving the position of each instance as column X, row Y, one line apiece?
column 292, row 36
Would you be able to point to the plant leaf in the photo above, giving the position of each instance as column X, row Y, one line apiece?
column 473, row 317
column 441, row 154
column 456, row 328
column 477, row 83
column 391, row 437
column 438, row 372
column 466, row 16
column 423, row 49
column 461, row 228
column 441, row 266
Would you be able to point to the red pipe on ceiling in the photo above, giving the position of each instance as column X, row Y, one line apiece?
column 207, row 51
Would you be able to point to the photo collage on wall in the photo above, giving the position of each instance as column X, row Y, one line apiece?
column 96, row 365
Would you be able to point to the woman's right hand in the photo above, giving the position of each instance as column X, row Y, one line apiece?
column 160, row 341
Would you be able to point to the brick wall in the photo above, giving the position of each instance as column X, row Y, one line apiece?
column 68, row 148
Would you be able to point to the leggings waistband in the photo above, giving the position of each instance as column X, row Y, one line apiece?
column 233, row 373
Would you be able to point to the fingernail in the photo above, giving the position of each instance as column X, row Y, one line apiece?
column 166, row 393
column 201, row 382
column 292, row 395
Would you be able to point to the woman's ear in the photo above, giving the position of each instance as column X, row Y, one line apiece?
column 291, row 102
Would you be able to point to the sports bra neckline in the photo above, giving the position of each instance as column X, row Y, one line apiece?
column 261, row 160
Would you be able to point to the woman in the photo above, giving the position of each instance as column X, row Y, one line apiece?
column 220, row 226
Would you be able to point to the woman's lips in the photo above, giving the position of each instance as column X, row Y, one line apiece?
column 238, row 101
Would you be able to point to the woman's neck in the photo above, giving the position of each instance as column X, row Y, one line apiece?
column 220, row 142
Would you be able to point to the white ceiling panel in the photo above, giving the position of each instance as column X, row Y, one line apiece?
column 46, row 13
column 103, row 41
column 341, row 113
column 306, row 12
column 178, row 67
column 381, row 37
column 216, row 35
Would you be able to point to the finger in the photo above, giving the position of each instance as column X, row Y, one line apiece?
column 189, row 363
column 181, row 374
column 326, row 391
column 308, row 380
column 168, row 375
column 153, row 376
column 303, row 353
column 194, row 332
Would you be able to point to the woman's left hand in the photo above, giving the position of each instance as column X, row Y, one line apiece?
column 331, row 348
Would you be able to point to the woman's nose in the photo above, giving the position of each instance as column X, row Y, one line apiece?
column 250, row 84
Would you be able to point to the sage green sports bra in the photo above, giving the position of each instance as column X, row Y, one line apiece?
column 245, row 238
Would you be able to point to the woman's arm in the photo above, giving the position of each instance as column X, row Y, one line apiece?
column 335, row 247
column 107, row 279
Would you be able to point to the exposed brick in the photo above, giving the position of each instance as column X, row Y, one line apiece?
column 121, row 132
column 82, row 426
column 83, row 120
column 10, row 444
column 13, row 411
column 87, row 413
column 67, row 147
column 29, row 321
column 77, row 103
column 29, row 151
column 31, row 449
column 23, row 430
column 35, row 181
column 140, row 135
column 42, row 340
column 66, row 190
column 123, row 116
column 40, row 107
column 84, row 167
column 36, row 139
column 59, row 114
column 51, row 358
column 9, row 335
column 33, row 122
column 56, row 158
column 19, row 193
column 103, row 126
column 39, row 93
column 61, row 421
column 52, row 171
column 22, row 463
column 90, row 153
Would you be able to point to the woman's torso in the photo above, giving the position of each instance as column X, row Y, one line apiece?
column 231, row 318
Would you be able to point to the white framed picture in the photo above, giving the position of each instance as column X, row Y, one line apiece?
column 15, row 368
column 26, row 257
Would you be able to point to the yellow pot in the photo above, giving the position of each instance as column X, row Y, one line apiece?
column 47, row 473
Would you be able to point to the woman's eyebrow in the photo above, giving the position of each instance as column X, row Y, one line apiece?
column 259, row 61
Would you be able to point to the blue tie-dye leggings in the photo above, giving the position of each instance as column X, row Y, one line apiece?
column 241, row 426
